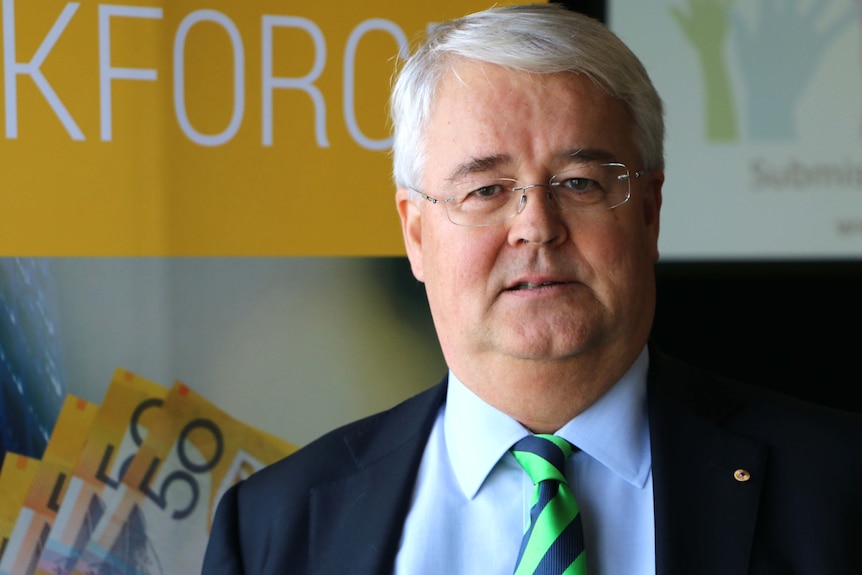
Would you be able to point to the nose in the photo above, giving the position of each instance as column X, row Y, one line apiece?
column 538, row 220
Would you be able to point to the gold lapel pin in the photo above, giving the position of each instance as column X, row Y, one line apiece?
column 741, row 475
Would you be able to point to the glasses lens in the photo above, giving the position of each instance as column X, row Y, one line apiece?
column 482, row 202
column 592, row 187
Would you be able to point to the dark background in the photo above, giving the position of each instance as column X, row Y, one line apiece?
column 793, row 326
column 595, row 8
column 790, row 326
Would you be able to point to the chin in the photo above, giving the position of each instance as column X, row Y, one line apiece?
column 542, row 349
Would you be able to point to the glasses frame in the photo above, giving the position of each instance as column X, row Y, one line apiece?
column 550, row 186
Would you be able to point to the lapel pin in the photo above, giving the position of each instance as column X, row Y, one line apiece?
column 741, row 475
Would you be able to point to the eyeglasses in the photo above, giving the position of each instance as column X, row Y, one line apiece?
column 584, row 187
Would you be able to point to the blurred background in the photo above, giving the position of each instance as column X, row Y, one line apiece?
column 295, row 346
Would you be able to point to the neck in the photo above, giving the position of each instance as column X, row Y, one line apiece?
column 544, row 395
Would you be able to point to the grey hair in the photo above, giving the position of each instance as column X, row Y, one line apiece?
column 534, row 38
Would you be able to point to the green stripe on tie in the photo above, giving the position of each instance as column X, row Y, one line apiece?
column 553, row 544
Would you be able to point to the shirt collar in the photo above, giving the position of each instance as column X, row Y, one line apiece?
column 614, row 430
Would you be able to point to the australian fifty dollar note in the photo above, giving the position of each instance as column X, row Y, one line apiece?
column 160, row 519
column 48, row 487
column 16, row 476
column 123, row 421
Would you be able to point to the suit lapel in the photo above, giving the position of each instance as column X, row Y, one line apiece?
column 356, row 521
column 705, row 517
column 705, row 508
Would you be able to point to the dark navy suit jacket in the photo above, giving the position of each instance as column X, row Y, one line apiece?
column 338, row 505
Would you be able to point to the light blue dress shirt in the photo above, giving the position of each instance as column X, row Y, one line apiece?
column 471, row 503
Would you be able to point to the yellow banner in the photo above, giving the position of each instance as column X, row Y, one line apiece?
column 202, row 127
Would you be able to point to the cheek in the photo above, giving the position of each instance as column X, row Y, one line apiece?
column 620, row 258
column 459, row 265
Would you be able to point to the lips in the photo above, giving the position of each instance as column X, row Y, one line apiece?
column 531, row 285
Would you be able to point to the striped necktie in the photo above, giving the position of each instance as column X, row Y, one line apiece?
column 554, row 542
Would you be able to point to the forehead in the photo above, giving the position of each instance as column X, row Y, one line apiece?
column 490, row 115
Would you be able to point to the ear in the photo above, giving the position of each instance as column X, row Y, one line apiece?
column 411, row 227
column 652, row 208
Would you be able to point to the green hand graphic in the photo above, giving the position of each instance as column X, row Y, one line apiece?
column 706, row 25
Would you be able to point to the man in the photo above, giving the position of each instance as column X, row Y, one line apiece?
column 529, row 166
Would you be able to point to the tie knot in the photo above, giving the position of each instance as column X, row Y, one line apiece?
column 543, row 457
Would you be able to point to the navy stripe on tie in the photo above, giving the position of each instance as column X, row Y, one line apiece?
column 545, row 449
column 565, row 549
column 547, row 491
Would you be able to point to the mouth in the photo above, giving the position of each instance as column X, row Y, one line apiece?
column 530, row 285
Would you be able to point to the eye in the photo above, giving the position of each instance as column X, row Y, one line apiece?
column 487, row 192
column 576, row 183
column 583, row 180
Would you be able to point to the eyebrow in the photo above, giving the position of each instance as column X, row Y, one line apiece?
column 589, row 154
column 489, row 163
column 479, row 165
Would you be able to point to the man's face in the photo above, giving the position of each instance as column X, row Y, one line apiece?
column 544, row 286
